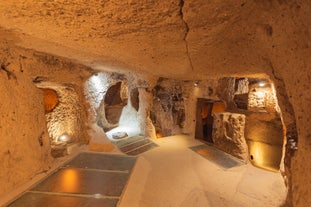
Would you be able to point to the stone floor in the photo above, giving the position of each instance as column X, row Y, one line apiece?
column 171, row 175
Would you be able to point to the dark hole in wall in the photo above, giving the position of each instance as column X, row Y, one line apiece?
column 135, row 98
column 241, row 101
column 114, row 103
column 204, row 118
column 112, row 96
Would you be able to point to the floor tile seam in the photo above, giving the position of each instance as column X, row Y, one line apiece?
column 102, row 154
column 96, row 170
column 134, row 143
column 140, row 147
column 122, row 146
column 80, row 195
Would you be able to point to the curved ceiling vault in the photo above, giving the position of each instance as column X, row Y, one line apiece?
column 170, row 38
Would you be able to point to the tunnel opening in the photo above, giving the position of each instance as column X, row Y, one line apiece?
column 63, row 117
column 205, row 118
column 114, row 103
column 110, row 108
column 243, row 119
column 265, row 130
column 135, row 98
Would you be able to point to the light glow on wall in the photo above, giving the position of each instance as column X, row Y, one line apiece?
column 96, row 81
column 64, row 138
column 264, row 155
column 262, row 84
column 94, row 89
column 260, row 94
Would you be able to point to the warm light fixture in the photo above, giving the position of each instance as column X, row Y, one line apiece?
column 196, row 84
column 260, row 94
column 262, row 84
column 64, row 138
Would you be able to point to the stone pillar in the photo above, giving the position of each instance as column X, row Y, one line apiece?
column 228, row 134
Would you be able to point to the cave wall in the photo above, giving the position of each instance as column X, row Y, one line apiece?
column 168, row 108
column 290, row 64
column 228, row 134
column 175, row 104
column 25, row 149
column 220, row 38
column 25, row 146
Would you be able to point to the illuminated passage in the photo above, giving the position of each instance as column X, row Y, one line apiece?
column 90, row 179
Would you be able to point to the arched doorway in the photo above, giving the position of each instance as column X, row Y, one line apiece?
column 204, row 118
column 111, row 107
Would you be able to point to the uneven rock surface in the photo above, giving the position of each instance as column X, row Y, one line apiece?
column 228, row 134
column 25, row 145
column 180, row 39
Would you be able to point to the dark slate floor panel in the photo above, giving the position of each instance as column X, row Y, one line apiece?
column 90, row 179
column 142, row 149
column 134, row 145
column 103, row 162
column 216, row 156
column 44, row 200
column 80, row 181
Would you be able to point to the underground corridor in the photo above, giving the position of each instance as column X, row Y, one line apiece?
column 242, row 132
column 149, row 103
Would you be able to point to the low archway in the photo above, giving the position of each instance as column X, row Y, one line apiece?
column 111, row 107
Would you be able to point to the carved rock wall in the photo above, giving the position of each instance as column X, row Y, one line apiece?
column 228, row 134
column 25, row 149
column 25, row 146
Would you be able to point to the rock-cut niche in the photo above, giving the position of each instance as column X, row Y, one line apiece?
column 112, row 105
column 135, row 98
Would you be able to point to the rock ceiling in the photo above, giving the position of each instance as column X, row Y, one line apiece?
column 172, row 38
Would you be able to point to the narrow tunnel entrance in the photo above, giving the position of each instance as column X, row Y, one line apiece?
column 205, row 111
column 114, row 103
column 63, row 116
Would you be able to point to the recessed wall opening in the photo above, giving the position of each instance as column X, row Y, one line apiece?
column 246, row 124
column 114, row 103
column 205, row 111
column 135, row 98
column 63, row 115
column 50, row 98
column 108, row 95
column 265, row 132
column 264, row 129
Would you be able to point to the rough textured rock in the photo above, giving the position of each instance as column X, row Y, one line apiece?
column 25, row 146
column 228, row 134
column 65, row 118
column 110, row 108
column 185, row 39
column 174, row 104
column 50, row 98
column 168, row 113
column 26, row 142
column 135, row 98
